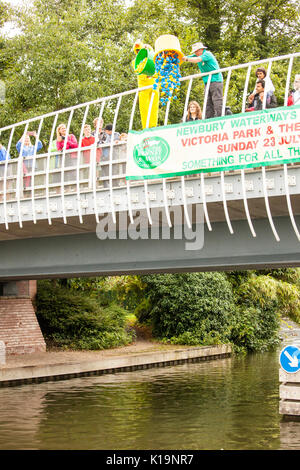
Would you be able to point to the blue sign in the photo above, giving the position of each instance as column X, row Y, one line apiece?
column 290, row 359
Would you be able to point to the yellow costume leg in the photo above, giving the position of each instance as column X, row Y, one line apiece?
column 144, row 103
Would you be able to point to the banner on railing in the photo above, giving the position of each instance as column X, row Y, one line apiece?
column 246, row 140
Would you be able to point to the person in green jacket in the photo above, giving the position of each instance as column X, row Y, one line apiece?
column 207, row 62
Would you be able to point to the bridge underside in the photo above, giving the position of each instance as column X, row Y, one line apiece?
column 74, row 250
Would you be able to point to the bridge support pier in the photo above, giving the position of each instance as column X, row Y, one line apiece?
column 19, row 328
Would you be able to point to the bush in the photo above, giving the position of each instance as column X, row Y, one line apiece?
column 193, row 308
column 213, row 308
column 289, row 300
column 75, row 320
column 256, row 323
column 290, row 275
column 236, row 278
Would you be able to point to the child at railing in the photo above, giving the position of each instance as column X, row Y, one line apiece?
column 87, row 141
column 27, row 151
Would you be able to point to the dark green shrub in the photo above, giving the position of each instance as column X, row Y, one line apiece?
column 255, row 325
column 75, row 320
column 213, row 308
column 189, row 307
column 236, row 278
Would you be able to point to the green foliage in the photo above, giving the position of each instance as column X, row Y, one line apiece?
column 291, row 275
column 240, row 307
column 262, row 300
column 76, row 320
column 289, row 300
column 256, row 323
column 129, row 290
column 236, row 278
column 195, row 307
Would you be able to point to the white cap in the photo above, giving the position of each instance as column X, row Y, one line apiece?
column 197, row 46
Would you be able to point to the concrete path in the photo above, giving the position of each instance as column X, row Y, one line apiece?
column 142, row 354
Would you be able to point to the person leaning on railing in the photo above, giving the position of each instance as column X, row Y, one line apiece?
column 71, row 143
column 27, row 151
column 193, row 112
column 60, row 139
column 255, row 102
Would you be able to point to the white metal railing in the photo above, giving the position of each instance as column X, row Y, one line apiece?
column 78, row 170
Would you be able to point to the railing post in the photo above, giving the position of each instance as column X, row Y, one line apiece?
column 182, row 177
column 93, row 164
column 127, row 181
column 19, row 182
column 48, row 168
column 33, row 170
column 242, row 170
column 78, row 163
column 264, row 180
column 63, row 167
column 112, row 205
column 5, row 178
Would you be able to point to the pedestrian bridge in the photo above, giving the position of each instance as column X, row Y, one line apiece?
column 73, row 213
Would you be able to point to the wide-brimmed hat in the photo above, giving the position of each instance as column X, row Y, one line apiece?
column 197, row 46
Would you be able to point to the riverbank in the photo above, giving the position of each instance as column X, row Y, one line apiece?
column 142, row 354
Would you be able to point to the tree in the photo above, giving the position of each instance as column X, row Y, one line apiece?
column 61, row 59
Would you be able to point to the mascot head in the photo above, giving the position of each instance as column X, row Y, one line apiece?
column 137, row 46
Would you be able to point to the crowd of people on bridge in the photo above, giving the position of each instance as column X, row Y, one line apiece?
column 25, row 148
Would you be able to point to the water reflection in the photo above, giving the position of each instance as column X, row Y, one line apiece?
column 223, row 404
column 289, row 434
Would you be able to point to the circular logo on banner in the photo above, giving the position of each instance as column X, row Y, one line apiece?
column 151, row 152
column 290, row 359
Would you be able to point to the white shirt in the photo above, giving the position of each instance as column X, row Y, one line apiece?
column 268, row 85
column 296, row 96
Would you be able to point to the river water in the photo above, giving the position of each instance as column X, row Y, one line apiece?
column 230, row 403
